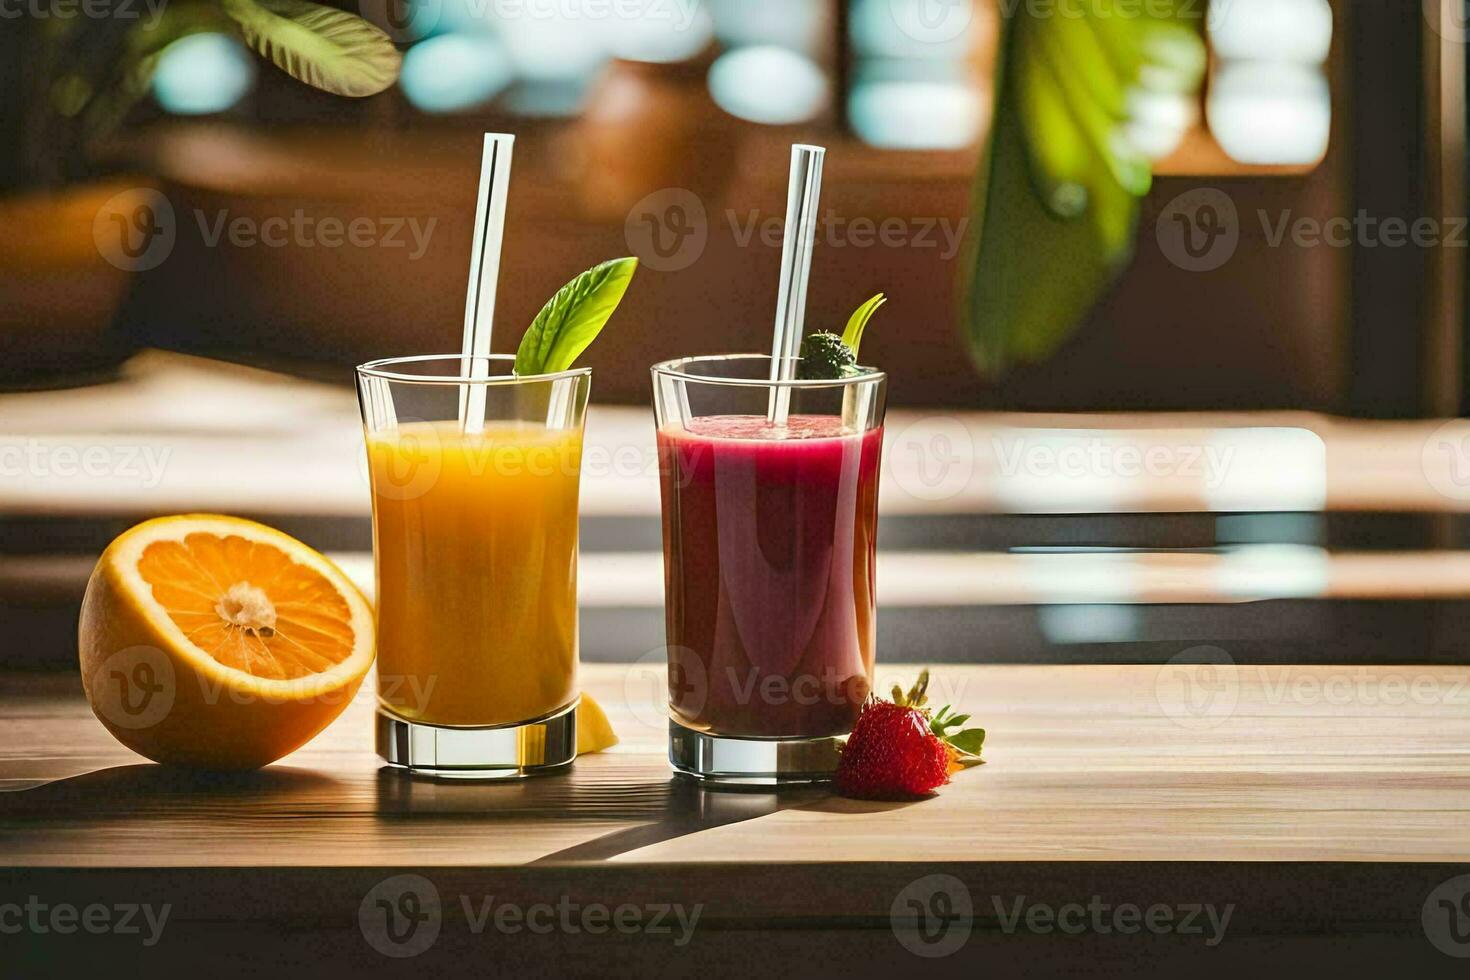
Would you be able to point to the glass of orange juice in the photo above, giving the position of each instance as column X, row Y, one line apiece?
column 475, row 477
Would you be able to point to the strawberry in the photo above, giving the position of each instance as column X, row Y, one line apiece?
column 898, row 751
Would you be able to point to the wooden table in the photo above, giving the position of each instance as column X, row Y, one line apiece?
column 1322, row 805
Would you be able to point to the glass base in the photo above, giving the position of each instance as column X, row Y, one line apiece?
column 502, row 752
column 752, row 761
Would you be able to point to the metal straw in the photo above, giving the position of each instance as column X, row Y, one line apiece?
column 803, row 190
column 479, row 302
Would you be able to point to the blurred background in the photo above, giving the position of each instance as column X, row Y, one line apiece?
column 1176, row 289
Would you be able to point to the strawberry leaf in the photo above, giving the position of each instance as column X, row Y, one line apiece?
column 969, row 741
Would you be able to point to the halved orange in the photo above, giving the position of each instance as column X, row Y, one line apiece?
column 219, row 643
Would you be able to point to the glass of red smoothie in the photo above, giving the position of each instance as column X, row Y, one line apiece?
column 769, row 535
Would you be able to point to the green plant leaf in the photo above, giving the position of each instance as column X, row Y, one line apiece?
column 572, row 318
column 1057, row 200
column 852, row 334
column 132, row 72
column 327, row 49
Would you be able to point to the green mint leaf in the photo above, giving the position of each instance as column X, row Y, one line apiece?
column 572, row 318
column 852, row 335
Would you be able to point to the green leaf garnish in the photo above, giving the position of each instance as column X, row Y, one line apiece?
column 852, row 334
column 572, row 318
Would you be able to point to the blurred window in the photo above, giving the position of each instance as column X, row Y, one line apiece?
column 202, row 74
column 1269, row 100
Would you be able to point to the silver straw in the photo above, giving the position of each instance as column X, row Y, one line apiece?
column 803, row 191
column 479, row 302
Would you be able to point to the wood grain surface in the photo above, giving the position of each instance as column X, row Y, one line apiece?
column 1119, row 763
column 1324, row 806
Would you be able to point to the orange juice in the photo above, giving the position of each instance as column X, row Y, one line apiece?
column 475, row 537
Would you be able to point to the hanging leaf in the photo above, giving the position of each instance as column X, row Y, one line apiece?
column 328, row 49
column 1058, row 197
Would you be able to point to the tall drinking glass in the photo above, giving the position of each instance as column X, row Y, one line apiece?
column 769, row 564
column 475, row 478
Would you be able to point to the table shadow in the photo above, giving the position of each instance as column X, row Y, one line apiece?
column 663, row 809
column 145, row 788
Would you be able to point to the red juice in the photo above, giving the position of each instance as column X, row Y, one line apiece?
column 769, row 560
